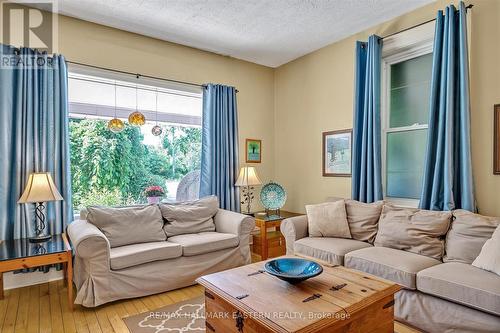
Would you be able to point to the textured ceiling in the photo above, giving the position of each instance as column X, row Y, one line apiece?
column 267, row 32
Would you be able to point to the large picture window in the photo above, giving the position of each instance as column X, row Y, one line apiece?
column 115, row 168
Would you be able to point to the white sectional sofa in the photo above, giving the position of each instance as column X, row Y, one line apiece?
column 445, row 294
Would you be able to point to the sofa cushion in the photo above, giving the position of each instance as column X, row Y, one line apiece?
column 84, row 211
column 136, row 254
column 128, row 225
column 464, row 284
column 327, row 249
column 328, row 219
column 363, row 219
column 467, row 235
column 413, row 230
column 391, row 264
column 489, row 258
column 189, row 217
column 204, row 242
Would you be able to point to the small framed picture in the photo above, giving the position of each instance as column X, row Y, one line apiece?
column 337, row 160
column 253, row 150
column 496, row 142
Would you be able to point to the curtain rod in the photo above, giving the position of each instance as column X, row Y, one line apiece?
column 420, row 24
column 137, row 75
column 131, row 86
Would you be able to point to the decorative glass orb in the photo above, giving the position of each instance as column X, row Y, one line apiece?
column 115, row 125
column 156, row 130
column 136, row 118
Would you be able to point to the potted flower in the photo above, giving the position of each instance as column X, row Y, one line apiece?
column 154, row 194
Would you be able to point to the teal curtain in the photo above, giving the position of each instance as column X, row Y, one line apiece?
column 219, row 154
column 447, row 181
column 33, row 138
column 366, row 146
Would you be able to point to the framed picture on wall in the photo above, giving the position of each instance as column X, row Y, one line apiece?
column 496, row 138
column 253, row 150
column 337, row 147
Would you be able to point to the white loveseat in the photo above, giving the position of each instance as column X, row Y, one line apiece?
column 103, row 273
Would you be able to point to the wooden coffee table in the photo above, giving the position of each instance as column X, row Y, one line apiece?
column 246, row 299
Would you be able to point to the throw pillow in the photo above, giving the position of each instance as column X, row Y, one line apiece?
column 128, row 225
column 489, row 258
column 467, row 235
column 363, row 219
column 190, row 217
column 328, row 219
column 413, row 230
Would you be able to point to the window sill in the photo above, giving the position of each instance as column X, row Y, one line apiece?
column 402, row 202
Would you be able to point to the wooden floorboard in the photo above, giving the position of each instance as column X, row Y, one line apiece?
column 34, row 310
column 9, row 323
column 22, row 310
column 43, row 308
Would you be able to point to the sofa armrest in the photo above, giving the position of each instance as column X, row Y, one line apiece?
column 234, row 223
column 293, row 229
column 237, row 224
column 88, row 240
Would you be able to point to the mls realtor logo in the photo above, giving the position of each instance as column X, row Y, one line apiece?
column 30, row 24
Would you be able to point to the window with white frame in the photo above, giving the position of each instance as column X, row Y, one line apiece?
column 406, row 76
column 115, row 168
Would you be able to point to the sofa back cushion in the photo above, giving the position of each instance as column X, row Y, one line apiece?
column 328, row 219
column 128, row 225
column 189, row 217
column 363, row 219
column 413, row 230
column 84, row 211
column 467, row 235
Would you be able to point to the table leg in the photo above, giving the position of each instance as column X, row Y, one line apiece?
column 263, row 245
column 65, row 273
column 282, row 241
column 69, row 279
column 1, row 285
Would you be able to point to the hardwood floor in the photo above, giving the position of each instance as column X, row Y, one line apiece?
column 44, row 308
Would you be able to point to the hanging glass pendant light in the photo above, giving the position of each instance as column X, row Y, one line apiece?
column 136, row 118
column 156, row 130
column 115, row 125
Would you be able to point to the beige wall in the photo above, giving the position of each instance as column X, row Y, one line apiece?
column 289, row 107
column 97, row 45
column 314, row 94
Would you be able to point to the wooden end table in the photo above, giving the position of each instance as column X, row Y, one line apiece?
column 269, row 244
column 21, row 254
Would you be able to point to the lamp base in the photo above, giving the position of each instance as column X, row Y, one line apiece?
column 248, row 213
column 39, row 238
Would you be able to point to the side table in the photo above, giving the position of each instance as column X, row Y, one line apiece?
column 269, row 244
column 21, row 254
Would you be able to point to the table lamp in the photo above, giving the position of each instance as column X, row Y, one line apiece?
column 40, row 188
column 247, row 179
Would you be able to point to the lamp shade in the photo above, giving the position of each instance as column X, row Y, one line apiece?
column 248, row 177
column 40, row 188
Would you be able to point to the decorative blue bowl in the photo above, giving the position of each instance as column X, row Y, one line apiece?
column 293, row 270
